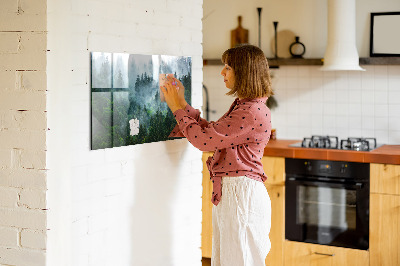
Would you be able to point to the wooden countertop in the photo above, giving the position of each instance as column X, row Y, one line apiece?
column 389, row 154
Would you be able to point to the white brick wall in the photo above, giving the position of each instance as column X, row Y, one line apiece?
column 135, row 205
column 23, row 132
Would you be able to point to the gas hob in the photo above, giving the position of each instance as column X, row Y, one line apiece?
column 332, row 142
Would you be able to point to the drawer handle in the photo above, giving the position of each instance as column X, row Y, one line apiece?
column 324, row 254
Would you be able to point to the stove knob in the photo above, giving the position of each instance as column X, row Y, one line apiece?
column 308, row 166
column 343, row 168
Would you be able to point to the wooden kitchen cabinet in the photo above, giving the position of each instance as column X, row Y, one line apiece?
column 305, row 254
column 384, row 236
column 385, row 215
column 274, row 168
column 206, row 225
column 385, row 178
column 277, row 233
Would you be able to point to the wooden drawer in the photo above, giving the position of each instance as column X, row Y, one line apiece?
column 304, row 254
column 274, row 168
column 385, row 178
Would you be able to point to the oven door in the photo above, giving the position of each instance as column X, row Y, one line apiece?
column 327, row 213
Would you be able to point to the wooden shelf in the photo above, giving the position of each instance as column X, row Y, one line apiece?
column 380, row 61
column 274, row 63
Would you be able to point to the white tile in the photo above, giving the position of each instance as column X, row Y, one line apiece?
column 342, row 81
column 329, row 122
column 394, row 110
column 355, row 132
column 355, row 96
column 394, row 137
column 381, row 110
column 316, row 82
column 394, row 70
column 342, row 122
column 394, row 83
column 317, row 95
column 354, row 80
column 291, row 71
column 303, row 82
column 317, row 107
column 382, row 136
column 367, row 123
column 394, row 123
column 394, row 97
column 342, row 133
column 317, row 121
column 367, row 110
column 329, row 109
column 304, row 72
column 367, row 83
column 342, row 96
column 316, row 72
column 381, row 84
column 317, row 131
column 367, row 96
column 381, row 97
column 355, row 122
column 355, row 109
column 381, row 71
column 292, row 82
column 381, row 123
column 329, row 94
column 367, row 133
column 342, row 109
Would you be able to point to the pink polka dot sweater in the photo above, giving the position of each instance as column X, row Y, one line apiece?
column 238, row 139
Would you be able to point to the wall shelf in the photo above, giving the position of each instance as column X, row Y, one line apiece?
column 274, row 63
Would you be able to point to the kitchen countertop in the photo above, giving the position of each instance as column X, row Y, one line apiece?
column 389, row 154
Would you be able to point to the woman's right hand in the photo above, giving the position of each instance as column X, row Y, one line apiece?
column 181, row 92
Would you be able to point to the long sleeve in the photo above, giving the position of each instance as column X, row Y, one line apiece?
column 230, row 131
column 193, row 113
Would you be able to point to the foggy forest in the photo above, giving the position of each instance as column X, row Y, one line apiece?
column 125, row 88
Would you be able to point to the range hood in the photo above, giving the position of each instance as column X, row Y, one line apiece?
column 341, row 51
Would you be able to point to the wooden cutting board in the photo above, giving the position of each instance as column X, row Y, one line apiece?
column 239, row 35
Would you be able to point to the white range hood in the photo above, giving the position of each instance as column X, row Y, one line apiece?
column 341, row 51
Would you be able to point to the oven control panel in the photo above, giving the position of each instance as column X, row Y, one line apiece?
column 337, row 169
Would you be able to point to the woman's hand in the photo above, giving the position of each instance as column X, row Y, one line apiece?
column 171, row 94
column 181, row 93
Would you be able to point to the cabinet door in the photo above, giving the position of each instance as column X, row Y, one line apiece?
column 304, row 254
column 277, row 233
column 206, row 226
column 274, row 168
column 385, row 178
column 384, row 230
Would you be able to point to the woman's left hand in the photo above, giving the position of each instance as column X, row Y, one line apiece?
column 171, row 95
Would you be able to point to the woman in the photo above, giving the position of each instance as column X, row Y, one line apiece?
column 242, row 208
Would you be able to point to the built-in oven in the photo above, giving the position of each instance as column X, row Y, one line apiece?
column 327, row 202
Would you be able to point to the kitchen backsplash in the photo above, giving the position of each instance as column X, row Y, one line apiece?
column 314, row 102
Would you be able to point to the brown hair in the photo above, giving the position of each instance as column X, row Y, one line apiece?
column 250, row 66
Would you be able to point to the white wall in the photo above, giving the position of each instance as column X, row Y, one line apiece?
column 134, row 205
column 306, row 19
column 23, row 133
column 311, row 102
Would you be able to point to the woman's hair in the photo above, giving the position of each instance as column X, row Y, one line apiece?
column 250, row 66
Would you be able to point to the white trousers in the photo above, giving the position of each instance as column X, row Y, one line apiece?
column 241, row 223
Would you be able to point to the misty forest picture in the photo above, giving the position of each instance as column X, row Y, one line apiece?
column 125, row 97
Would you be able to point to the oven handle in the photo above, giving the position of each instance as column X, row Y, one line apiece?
column 357, row 185
column 324, row 254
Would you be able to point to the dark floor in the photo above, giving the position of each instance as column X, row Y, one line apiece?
column 206, row 261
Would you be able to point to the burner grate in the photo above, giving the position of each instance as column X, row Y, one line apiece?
column 358, row 144
column 327, row 142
